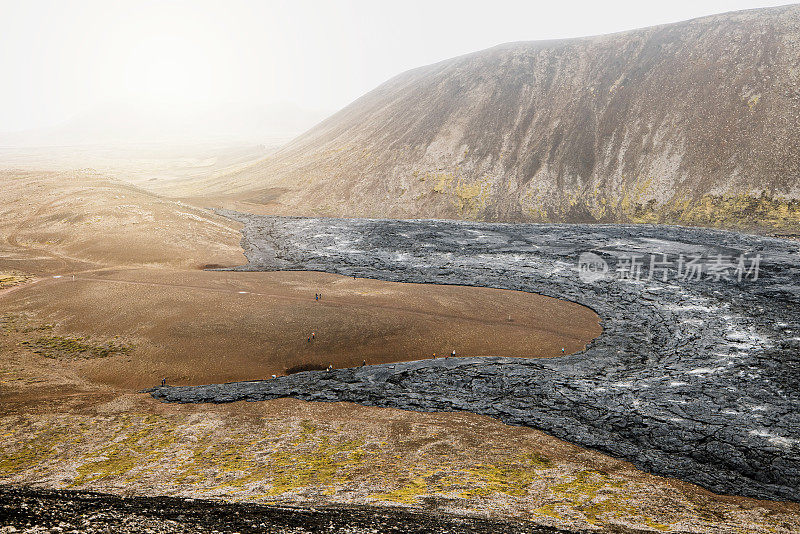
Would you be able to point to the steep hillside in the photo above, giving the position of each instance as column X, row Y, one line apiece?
column 696, row 122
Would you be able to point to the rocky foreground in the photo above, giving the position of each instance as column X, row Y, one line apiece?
column 695, row 376
column 53, row 511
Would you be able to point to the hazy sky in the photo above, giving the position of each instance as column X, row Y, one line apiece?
column 60, row 58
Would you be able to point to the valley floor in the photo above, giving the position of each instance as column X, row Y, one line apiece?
column 73, row 355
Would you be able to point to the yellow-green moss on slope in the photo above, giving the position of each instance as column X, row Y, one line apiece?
column 408, row 493
column 311, row 459
column 13, row 278
column 443, row 182
column 471, row 198
column 139, row 441
column 585, row 493
column 33, row 451
column 636, row 203
column 742, row 211
column 315, row 460
column 512, row 478
column 55, row 346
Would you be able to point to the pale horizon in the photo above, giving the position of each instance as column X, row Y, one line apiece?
column 248, row 61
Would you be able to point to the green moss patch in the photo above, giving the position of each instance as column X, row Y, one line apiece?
column 11, row 279
column 75, row 347
column 139, row 441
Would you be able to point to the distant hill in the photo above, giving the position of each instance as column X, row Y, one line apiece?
column 696, row 122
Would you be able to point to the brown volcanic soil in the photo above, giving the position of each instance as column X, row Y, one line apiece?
column 127, row 265
column 200, row 327
column 106, row 277
column 72, row 354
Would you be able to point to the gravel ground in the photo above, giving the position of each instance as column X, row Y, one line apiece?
column 65, row 512
column 692, row 378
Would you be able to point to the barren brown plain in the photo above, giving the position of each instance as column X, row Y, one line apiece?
column 102, row 293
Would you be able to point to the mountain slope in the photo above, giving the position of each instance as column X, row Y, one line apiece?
column 696, row 122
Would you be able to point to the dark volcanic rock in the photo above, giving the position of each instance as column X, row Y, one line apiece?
column 695, row 379
column 42, row 511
